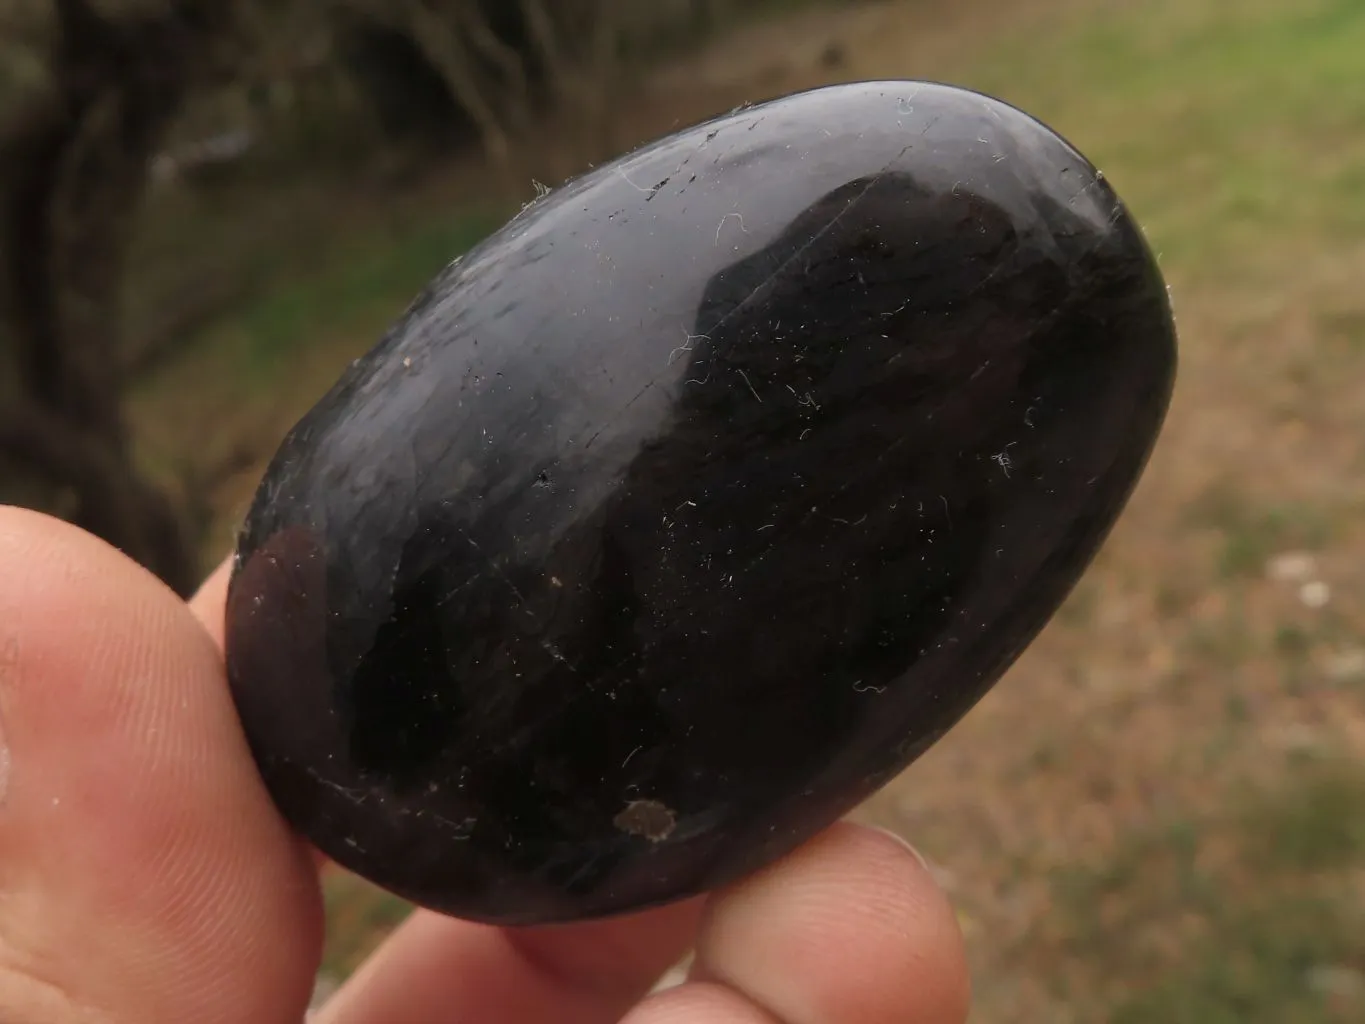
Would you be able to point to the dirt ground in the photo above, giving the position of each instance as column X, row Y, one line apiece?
column 1201, row 697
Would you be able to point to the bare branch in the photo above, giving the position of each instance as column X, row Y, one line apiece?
column 471, row 21
column 545, row 38
column 447, row 53
column 82, row 29
column 32, row 153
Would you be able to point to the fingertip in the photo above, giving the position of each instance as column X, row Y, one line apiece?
column 153, row 871
column 849, row 929
column 587, row 971
column 210, row 601
column 698, row 1001
column 622, row 954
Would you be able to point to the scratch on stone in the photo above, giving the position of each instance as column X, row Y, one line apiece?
column 626, row 178
column 738, row 216
column 355, row 796
column 1002, row 459
column 703, row 380
column 462, row 829
column 557, row 654
column 497, row 570
column 648, row 385
column 750, row 385
column 686, row 346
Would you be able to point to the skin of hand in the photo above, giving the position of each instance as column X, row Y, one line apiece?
column 145, row 876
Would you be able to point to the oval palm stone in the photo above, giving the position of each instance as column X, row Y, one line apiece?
column 684, row 512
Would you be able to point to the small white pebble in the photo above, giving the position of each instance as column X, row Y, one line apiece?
column 1297, row 738
column 1292, row 567
column 1315, row 594
column 1346, row 665
column 1337, row 981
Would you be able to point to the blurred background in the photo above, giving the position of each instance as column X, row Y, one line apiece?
column 207, row 209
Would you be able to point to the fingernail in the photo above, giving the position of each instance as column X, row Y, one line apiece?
column 923, row 861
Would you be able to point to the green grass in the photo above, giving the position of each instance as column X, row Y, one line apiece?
column 1258, row 925
column 358, row 916
column 363, row 290
column 1318, row 826
column 1252, row 532
column 1259, row 965
column 1222, row 122
column 351, row 287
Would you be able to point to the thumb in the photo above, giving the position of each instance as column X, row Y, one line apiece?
column 144, row 874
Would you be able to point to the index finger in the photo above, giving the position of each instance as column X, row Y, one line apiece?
column 209, row 605
column 210, row 600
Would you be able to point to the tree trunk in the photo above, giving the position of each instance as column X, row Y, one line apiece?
column 73, row 168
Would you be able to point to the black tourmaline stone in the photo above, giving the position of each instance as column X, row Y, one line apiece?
column 684, row 512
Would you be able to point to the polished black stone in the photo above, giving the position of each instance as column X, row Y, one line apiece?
column 683, row 513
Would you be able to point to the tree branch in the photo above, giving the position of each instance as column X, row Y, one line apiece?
column 472, row 22
column 75, row 162
column 32, row 153
column 83, row 31
column 444, row 48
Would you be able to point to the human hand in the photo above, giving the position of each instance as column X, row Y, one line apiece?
column 145, row 877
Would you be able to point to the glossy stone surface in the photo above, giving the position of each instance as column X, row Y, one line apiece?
column 687, row 510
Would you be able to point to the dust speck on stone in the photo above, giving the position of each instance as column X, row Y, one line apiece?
column 648, row 819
